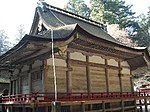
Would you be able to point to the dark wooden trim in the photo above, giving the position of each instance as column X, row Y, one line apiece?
column 30, row 80
column 131, row 82
column 119, row 75
column 88, row 75
column 106, row 76
column 19, row 81
column 103, row 106
column 68, row 74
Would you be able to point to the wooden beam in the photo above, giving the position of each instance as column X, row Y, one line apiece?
column 29, row 77
column 131, row 82
column 146, row 106
column 119, row 74
column 68, row 74
column 88, row 75
column 122, row 106
column 106, row 76
column 82, row 107
column 19, row 81
column 141, row 110
column 103, row 106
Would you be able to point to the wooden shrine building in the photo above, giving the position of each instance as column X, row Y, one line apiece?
column 93, row 70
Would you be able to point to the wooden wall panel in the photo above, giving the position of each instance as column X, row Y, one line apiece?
column 61, row 79
column 79, row 83
column 113, row 80
column 78, row 56
column 58, row 62
column 126, row 85
column 49, row 87
column 24, row 85
column 37, row 63
column 97, row 77
column 37, row 86
column 125, row 64
column 125, row 71
column 96, row 59
column 112, row 62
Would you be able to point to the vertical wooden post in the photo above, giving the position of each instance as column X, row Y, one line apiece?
column 131, row 82
column 23, row 108
column 68, row 75
column 141, row 110
column 103, row 106
column 88, row 75
column 106, row 76
column 29, row 77
column 82, row 107
column 19, row 81
column 146, row 106
column 13, row 87
column 46, row 109
column 70, row 108
column 17, row 85
column 120, row 79
column 122, row 105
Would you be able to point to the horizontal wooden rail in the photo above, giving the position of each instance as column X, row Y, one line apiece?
column 48, row 97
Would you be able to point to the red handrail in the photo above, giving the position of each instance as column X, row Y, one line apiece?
column 47, row 97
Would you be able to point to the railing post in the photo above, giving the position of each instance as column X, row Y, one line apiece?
column 122, row 105
column 56, row 106
column 145, row 102
column 141, row 110
column 103, row 106
column 135, row 105
column 82, row 107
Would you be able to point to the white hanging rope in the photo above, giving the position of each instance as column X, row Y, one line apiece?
column 54, row 70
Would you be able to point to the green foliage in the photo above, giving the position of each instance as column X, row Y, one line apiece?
column 141, row 33
column 115, row 12
column 97, row 10
column 112, row 12
column 3, row 42
column 78, row 7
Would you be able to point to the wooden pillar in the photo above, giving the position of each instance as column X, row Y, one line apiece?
column 16, row 86
column 29, row 77
column 13, row 87
column 146, row 106
column 23, row 108
column 68, row 75
column 103, row 106
column 10, row 109
column 82, row 107
column 119, row 74
column 19, row 82
column 70, row 108
column 141, row 110
column 122, row 105
column 88, row 75
column 106, row 76
column 131, row 82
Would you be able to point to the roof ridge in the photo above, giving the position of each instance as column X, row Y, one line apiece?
column 102, row 26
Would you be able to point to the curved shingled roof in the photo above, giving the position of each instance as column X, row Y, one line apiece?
column 54, row 18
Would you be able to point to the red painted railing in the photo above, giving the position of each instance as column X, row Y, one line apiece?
column 48, row 97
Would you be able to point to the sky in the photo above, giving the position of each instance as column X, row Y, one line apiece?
column 16, row 12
